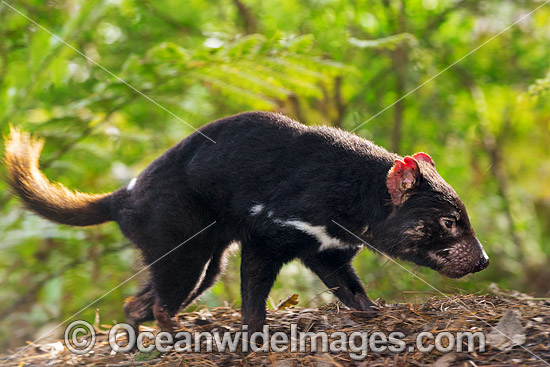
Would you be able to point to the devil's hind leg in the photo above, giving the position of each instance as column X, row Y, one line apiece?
column 139, row 308
column 175, row 277
column 215, row 267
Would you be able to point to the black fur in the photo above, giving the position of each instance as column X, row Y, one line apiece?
column 266, row 176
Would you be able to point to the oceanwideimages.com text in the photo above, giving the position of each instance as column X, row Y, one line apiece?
column 123, row 339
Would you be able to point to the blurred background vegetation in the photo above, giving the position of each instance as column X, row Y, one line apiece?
column 485, row 121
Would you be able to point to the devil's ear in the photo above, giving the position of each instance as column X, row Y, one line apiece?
column 423, row 157
column 402, row 176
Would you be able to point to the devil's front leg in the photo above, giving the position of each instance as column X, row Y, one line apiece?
column 258, row 273
column 335, row 270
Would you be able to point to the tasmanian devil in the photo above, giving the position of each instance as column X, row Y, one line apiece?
column 280, row 189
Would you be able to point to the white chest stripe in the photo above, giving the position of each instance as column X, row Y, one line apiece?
column 319, row 232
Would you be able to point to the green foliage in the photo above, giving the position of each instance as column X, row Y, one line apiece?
column 485, row 121
column 540, row 87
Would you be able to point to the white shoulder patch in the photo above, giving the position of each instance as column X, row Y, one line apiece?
column 256, row 209
column 132, row 184
column 319, row 232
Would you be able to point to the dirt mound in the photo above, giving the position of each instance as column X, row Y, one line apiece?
column 515, row 330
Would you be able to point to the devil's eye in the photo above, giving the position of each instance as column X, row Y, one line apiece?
column 448, row 222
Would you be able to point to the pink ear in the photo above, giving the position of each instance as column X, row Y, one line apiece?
column 424, row 157
column 403, row 176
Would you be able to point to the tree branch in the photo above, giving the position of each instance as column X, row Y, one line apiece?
column 249, row 20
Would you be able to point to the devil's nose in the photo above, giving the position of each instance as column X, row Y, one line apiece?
column 482, row 264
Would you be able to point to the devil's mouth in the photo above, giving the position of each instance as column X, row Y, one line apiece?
column 441, row 263
column 439, row 258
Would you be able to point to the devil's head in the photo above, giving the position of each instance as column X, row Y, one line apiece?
column 428, row 224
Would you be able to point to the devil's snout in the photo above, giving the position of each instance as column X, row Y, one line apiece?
column 482, row 263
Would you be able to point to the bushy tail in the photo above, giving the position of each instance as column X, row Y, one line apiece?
column 51, row 200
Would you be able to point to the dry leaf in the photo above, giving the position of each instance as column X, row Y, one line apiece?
column 289, row 302
column 52, row 348
column 507, row 333
column 445, row 361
